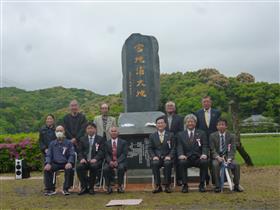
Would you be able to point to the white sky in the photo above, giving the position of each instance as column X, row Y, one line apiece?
column 79, row 44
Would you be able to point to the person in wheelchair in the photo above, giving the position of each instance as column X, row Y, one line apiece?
column 90, row 158
column 161, row 150
column 222, row 147
column 115, row 159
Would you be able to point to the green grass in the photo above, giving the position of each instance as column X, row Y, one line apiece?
column 261, row 192
column 264, row 150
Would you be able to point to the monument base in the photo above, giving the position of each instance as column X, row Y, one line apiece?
column 135, row 128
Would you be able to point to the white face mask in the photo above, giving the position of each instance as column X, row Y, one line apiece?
column 59, row 134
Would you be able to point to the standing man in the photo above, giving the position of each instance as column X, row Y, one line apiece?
column 60, row 155
column 161, row 150
column 74, row 123
column 90, row 157
column 207, row 119
column 223, row 147
column 104, row 122
column 192, row 149
column 116, row 159
column 175, row 124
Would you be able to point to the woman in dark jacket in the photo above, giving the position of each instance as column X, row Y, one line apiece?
column 47, row 133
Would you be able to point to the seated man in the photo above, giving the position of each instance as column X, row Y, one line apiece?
column 192, row 150
column 90, row 157
column 161, row 150
column 116, row 158
column 222, row 146
column 60, row 155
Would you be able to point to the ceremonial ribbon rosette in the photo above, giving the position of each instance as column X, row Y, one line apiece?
column 169, row 143
column 96, row 146
column 64, row 150
column 198, row 141
column 229, row 147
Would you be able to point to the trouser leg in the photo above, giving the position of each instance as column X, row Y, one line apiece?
column 82, row 174
column 156, row 171
column 94, row 169
column 184, row 172
column 216, row 172
column 120, row 172
column 167, row 171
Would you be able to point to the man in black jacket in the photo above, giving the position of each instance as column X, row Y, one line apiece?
column 175, row 124
column 74, row 123
column 161, row 150
column 115, row 159
column 207, row 119
column 90, row 157
column 192, row 151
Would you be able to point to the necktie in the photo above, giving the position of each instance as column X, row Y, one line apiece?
column 90, row 148
column 206, row 116
column 114, row 151
column 191, row 136
column 169, row 121
column 104, row 119
column 223, row 145
column 161, row 138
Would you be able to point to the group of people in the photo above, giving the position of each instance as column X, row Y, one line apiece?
column 198, row 140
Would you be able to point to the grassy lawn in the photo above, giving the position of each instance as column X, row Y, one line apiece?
column 261, row 192
column 261, row 185
column 264, row 150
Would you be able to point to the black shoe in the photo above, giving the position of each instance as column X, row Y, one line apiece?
column 83, row 191
column 185, row 188
column 91, row 191
column 202, row 188
column 158, row 189
column 179, row 183
column 65, row 192
column 167, row 189
column 109, row 190
column 217, row 190
column 237, row 189
column 120, row 190
column 49, row 192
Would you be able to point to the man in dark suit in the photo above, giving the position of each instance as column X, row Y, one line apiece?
column 90, row 157
column 116, row 159
column 192, row 151
column 175, row 124
column 207, row 119
column 223, row 147
column 161, row 149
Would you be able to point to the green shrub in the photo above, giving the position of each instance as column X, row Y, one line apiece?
column 21, row 146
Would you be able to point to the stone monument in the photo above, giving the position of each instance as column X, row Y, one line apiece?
column 140, row 66
column 141, row 94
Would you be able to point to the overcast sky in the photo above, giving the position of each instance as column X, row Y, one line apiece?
column 79, row 44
